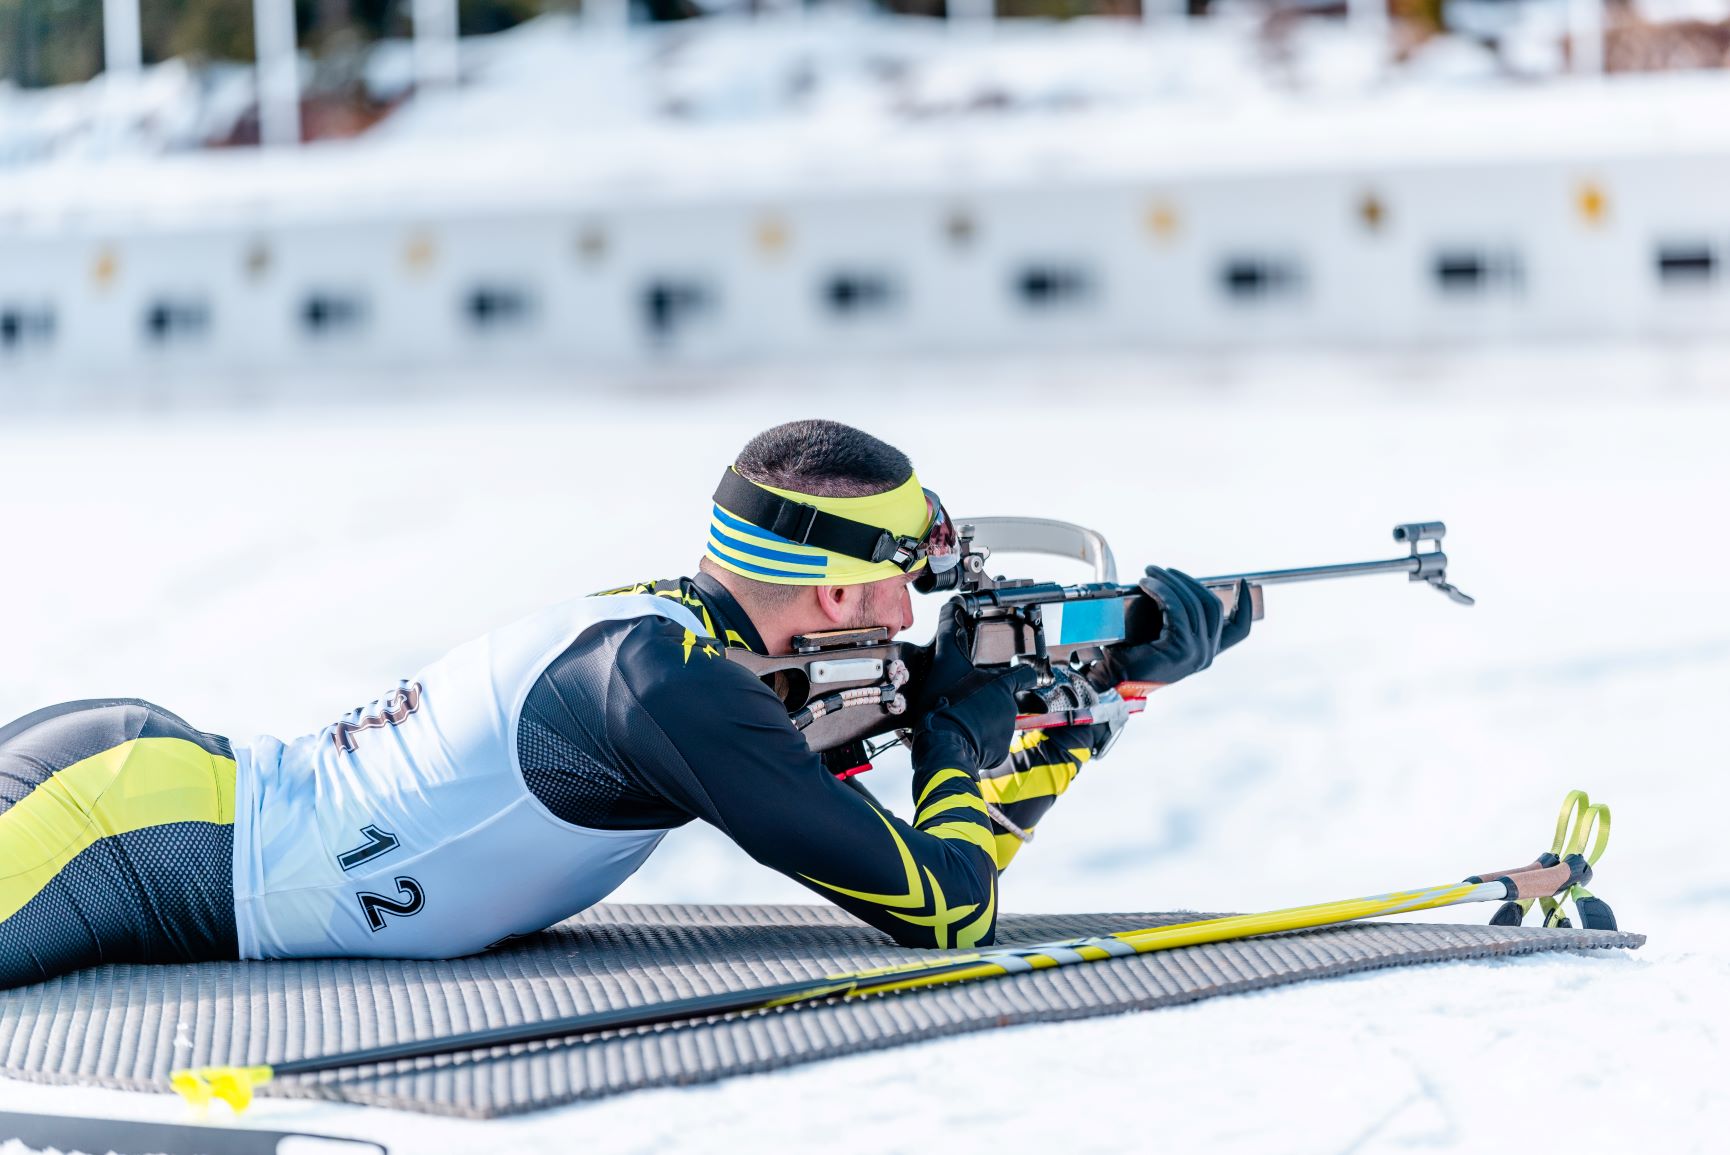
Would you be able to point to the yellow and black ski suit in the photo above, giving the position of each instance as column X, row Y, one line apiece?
column 116, row 839
column 117, row 818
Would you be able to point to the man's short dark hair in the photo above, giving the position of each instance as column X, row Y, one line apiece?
column 824, row 458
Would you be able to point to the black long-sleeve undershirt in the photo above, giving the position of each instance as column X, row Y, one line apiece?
column 642, row 724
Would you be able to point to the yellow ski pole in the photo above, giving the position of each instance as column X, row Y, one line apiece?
column 235, row 1085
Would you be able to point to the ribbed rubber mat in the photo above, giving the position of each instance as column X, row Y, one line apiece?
column 128, row 1026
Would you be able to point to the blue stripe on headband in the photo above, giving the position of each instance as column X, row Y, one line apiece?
column 734, row 523
column 819, row 561
column 764, row 570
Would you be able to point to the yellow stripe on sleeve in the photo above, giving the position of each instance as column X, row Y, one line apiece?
column 137, row 784
column 915, row 896
column 1004, row 848
column 1044, row 780
column 939, row 779
column 948, row 802
column 972, row 832
column 970, row 934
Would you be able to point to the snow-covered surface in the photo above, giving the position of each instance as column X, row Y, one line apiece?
column 822, row 75
column 1587, row 124
column 266, row 568
column 166, row 107
column 560, row 76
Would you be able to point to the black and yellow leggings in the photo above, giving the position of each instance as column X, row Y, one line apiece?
column 116, row 840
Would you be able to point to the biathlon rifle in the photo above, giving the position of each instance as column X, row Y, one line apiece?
column 843, row 687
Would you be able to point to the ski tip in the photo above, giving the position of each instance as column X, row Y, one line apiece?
column 233, row 1085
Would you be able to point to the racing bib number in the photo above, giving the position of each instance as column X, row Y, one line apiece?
column 377, row 906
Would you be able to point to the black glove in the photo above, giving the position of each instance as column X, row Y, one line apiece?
column 1177, row 627
column 954, row 699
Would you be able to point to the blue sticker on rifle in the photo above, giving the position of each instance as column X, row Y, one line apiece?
column 1090, row 621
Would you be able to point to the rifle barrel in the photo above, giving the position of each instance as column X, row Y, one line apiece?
column 1316, row 572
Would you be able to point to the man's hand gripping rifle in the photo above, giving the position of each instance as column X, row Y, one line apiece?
column 843, row 687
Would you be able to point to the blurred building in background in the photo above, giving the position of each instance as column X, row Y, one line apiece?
column 646, row 183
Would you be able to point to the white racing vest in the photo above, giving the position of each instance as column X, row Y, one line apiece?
column 406, row 829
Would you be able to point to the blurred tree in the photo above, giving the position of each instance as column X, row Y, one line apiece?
column 50, row 41
column 663, row 10
column 1037, row 9
column 1068, row 9
column 1422, row 17
column 197, row 29
column 478, row 17
column 46, row 42
column 60, row 41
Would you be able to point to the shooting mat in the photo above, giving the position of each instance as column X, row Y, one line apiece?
column 127, row 1026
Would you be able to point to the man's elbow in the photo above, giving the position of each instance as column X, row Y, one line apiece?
column 955, row 922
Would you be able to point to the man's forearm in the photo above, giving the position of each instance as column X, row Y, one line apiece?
column 946, row 796
column 1041, row 765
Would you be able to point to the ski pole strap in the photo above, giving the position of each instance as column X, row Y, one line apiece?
column 1573, row 812
column 1579, row 824
column 1576, row 826
column 1594, row 819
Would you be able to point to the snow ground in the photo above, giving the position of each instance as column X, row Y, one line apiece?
column 266, row 567
column 561, row 82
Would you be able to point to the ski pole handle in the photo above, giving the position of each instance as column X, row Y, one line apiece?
column 1549, row 881
column 1542, row 862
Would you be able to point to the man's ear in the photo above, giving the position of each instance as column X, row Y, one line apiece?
column 836, row 602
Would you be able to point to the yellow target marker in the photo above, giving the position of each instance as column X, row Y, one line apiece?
column 106, row 267
column 420, row 253
column 1372, row 212
column 773, row 236
column 1592, row 203
column 1162, row 220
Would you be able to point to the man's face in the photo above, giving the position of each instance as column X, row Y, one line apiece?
column 887, row 603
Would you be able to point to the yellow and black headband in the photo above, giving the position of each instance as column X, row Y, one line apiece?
column 790, row 538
